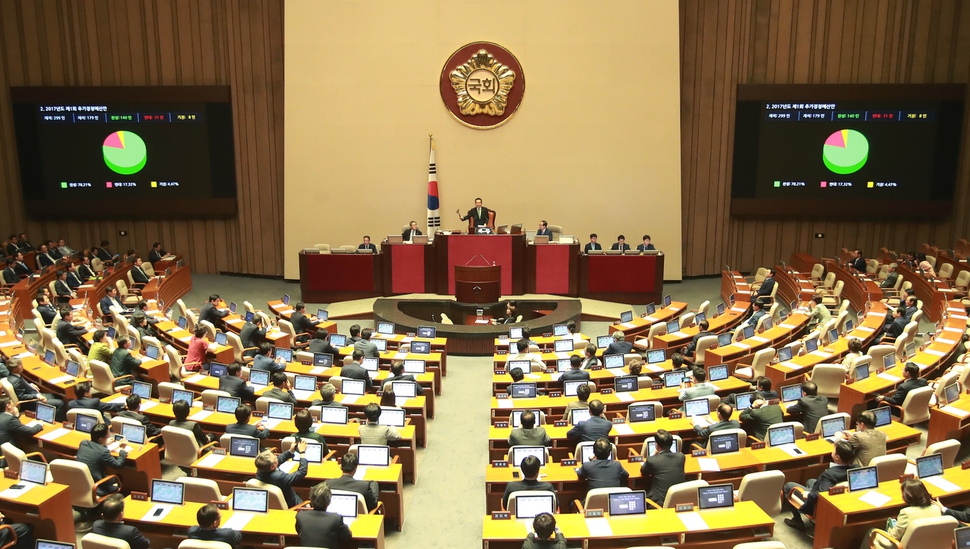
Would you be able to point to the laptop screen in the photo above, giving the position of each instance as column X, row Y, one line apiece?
column 743, row 400
column 250, row 499
column 516, row 417
column 723, row 444
column 563, row 345
column 323, row 315
column 697, row 407
column 243, row 447
column 33, row 471
column 393, row 417
column 626, row 316
column 406, row 389
column 338, row 340
column 929, row 466
column 45, row 412
column 883, row 416
column 527, row 507
column 833, row 425
column 861, row 372
column 628, row 503
column 723, row 339
column 522, row 390
column 673, row 326
column 952, row 393
column 791, row 393
column 415, row 366
column 586, row 453
column 653, row 449
column 888, row 361
column 374, row 455
column 286, row 299
column 249, row 316
column 673, row 379
column 613, row 361
column 280, row 410
column 848, row 326
column 515, row 333
column 910, row 350
column 48, row 544
column 381, row 344
column 322, row 359
column 603, row 342
column 961, row 535
column 305, row 383
column 232, row 307
column 784, row 354
column 221, row 338
column 370, row 363
column 524, row 365
column 667, row 300
column 641, row 412
column 563, row 364
column 73, row 368
column 352, row 387
column 183, row 322
column 217, row 370
column 625, row 384
column 259, row 377
column 656, row 356
column 421, row 347
column 784, row 434
column 719, row 495
column 227, row 405
column 334, row 415
column 133, row 433
column 386, row 328
column 767, row 324
column 49, row 356
column 427, row 332
column 651, row 308
column 717, row 373
column 571, row 388
column 833, row 335
column 578, row 415
column 84, row 423
column 720, row 309
column 344, row 505
column 560, row 330
column 863, row 478
column 747, row 332
column 286, row 355
column 152, row 352
column 700, row 317
column 811, row 345
column 166, row 491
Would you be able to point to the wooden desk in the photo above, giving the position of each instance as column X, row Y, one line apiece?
column 504, row 250
column 792, row 328
column 281, row 525
column 46, row 508
column 550, row 382
column 326, row 278
column 952, row 421
column 725, row 529
column 552, row 268
column 641, row 323
column 858, row 289
column 286, row 312
column 171, row 288
column 408, row 268
column 675, row 342
column 636, row 279
column 933, row 293
column 233, row 472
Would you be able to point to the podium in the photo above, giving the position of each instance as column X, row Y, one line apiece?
column 478, row 284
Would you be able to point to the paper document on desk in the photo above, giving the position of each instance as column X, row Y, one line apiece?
column 55, row 434
column 875, row 499
column 934, row 352
column 407, row 339
column 942, row 484
column 865, row 329
column 349, row 399
column 533, row 376
column 400, row 356
column 679, row 334
column 708, row 464
column 693, row 521
column 741, row 345
column 302, row 395
column 628, row 325
column 625, row 397
column 290, row 466
column 12, row 493
column 647, row 318
column 238, row 521
column 505, row 404
column 195, row 379
column 759, row 339
column 555, row 376
column 654, row 368
column 10, row 344
column 317, row 370
column 615, row 372
column 623, row 428
column 889, row 377
column 945, row 341
column 271, row 423
column 360, row 472
column 61, row 379
column 952, row 329
column 599, row 527
column 561, row 355
column 791, row 450
column 211, row 460
column 820, row 354
column 162, row 510
column 148, row 405
column 199, row 416
column 955, row 411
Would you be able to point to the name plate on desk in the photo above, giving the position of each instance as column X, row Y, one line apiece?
column 550, row 370
column 209, row 408
column 500, row 463
column 619, row 420
column 219, row 451
column 836, row 490
column 306, row 362
column 11, row 474
column 699, row 453
column 500, row 372
column 258, row 413
column 657, row 384
column 636, row 459
column 774, row 401
column 561, row 423
column 125, row 390
column 501, row 515
column 31, row 415
column 965, row 465
column 597, row 367
column 502, row 395
column 221, row 505
column 813, row 436
column 758, row 445
column 568, row 463
column 606, row 392
column 555, row 394
column 685, row 507
column 501, row 424
column 676, row 414
column 139, row 496
column 669, row 540
column 594, row 513
column 904, row 478
column 68, row 425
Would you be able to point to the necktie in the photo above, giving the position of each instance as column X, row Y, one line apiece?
column 479, row 212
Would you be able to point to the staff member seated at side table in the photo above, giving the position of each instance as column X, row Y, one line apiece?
column 620, row 244
column 646, row 246
column 366, row 245
column 592, row 244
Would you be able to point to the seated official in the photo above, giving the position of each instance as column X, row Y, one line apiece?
column 365, row 345
column 619, row 346
column 636, row 369
column 397, row 374
column 896, row 327
column 911, row 380
column 195, row 358
column 543, row 229
column 327, row 393
column 123, row 363
column 281, row 389
column 43, row 257
column 242, row 426
column 181, row 411
column 46, row 310
column 62, row 290
column 582, row 399
column 10, row 275
column 303, row 323
column 235, row 385
column 23, row 244
column 544, row 534
column 52, row 250
column 73, row 279
column 354, row 332
column 857, row 262
column 511, row 314
column 139, row 276
column 620, row 244
column 102, row 252
column 593, row 428
column 601, row 471
column 68, row 333
column 767, row 285
column 132, row 411
column 100, row 347
column 891, row 277
column 528, row 434
column 264, row 362
column 12, row 430
column 321, row 344
column 267, row 470
column 84, row 400
column 757, row 311
column 516, row 374
column 303, row 421
column 478, row 214
column 811, row 406
column 535, row 359
column 210, row 313
column 590, row 359
column 64, row 249
column 530, row 473
column 760, row 416
column 919, row 505
column 411, row 232
column 592, row 244
column 95, row 454
column 866, row 441
column 24, row 532
column 700, row 387
column 854, row 354
column 366, row 245
column 252, row 334
column 575, row 371
column 11, row 247
column 842, row 457
column 156, row 253
column 318, row 527
column 28, row 391
column 646, row 246
column 113, row 524
column 665, row 469
column 703, row 327
column 208, row 529
column 140, row 323
column 84, row 270
column 20, row 266
column 354, row 370
column 346, row 482
column 109, row 300
column 374, row 433
column 724, row 421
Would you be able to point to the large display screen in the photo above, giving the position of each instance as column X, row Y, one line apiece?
column 846, row 150
column 123, row 151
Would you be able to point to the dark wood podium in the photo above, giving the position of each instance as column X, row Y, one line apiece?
column 478, row 284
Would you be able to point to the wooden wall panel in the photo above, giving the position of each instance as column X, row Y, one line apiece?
column 729, row 42
column 238, row 43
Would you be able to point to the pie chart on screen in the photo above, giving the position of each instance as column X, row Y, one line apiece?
column 845, row 152
column 124, row 152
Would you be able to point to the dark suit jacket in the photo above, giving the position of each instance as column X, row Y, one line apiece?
column 666, row 469
column 61, row 288
column 103, row 254
column 348, row 483
column 766, row 286
column 70, row 334
column 22, row 268
column 477, row 220
column 355, row 371
column 96, row 404
column 526, row 484
column 302, row 323
column 322, row 529
column 619, row 347
column 250, row 336
column 910, row 311
column 151, row 429
column 642, row 248
column 546, row 232
column 96, row 457
column 591, row 246
column 85, row 272
column 812, row 409
column 21, row 388
column 225, row 535
column 73, row 280
column 896, row 327
column 762, row 418
column 263, row 362
column 323, row 346
column 247, row 430
column 963, row 515
column 11, row 427
column 890, row 280
column 705, row 432
column 25, row 246
column 590, row 430
column 10, row 276
column 829, row 478
column 410, row 234
column 123, row 363
column 11, row 248
column 285, row 481
column 689, row 350
column 904, row 388
column 154, row 256
column 370, row 246
column 419, row 390
column 48, row 313
column 858, row 264
column 236, row 386
column 138, row 275
column 105, row 306
column 616, row 246
column 603, row 474
column 573, row 375
column 122, row 531
column 210, row 313
column 280, row 394
column 44, row 260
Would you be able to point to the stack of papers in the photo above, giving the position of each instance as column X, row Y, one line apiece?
column 360, row 472
column 55, row 434
column 693, row 521
column 628, row 325
column 942, row 484
column 889, row 377
column 625, row 397
column 599, row 527
column 199, row 416
column 875, row 499
column 238, row 521
column 211, row 460
column 505, row 404
column 708, row 464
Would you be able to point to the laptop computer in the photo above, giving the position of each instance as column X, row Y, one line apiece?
column 563, row 345
column 651, row 308
column 372, row 455
column 416, row 366
column 404, row 389
column 515, row 333
column 784, row 354
column 285, row 355
column 49, row 544
column 697, row 407
column 791, row 393
column 613, row 361
column 353, row 387
column 603, row 342
column 560, row 330
column 673, row 326
column 304, row 383
column 723, row 444
column 656, row 356
column 781, row 435
column 134, row 434
column 883, row 415
column 386, row 328
column 222, row 338
column 724, row 339
column 218, row 370
column 243, row 447
column 833, row 426
column 33, row 471
column 962, row 537
column 338, row 340
column 323, row 359
column 571, row 388
column 522, row 390
column 421, row 347
column 227, row 405
column 673, row 379
column 863, row 478
column 280, row 410
column 717, row 373
column 84, row 424
column 951, row 394
column 718, row 495
column 625, row 384
column 528, row 507
column 344, row 505
column 166, row 491
column 929, row 466
column 250, row 499
column 334, row 415
column 861, row 372
column 259, row 378
column 381, row 344
column 743, row 400
column 45, row 412
column 641, row 412
column 626, row 316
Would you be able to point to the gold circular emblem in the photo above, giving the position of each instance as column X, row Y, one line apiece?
column 482, row 85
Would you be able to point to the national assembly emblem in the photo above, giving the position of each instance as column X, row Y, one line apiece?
column 482, row 85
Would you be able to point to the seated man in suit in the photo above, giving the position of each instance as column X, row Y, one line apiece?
column 95, row 454
column 242, row 426
column 544, row 230
column 53, row 251
column 84, row 270
column 811, row 406
column 866, row 440
column 365, row 345
column 68, row 333
column 281, row 389
column 123, row 363
column 321, row 344
column 73, row 279
column 354, row 332
column 373, row 432
column 619, row 346
column 113, row 524
column 724, row 421
column 589, row 356
column 327, row 393
column 592, row 245
column 575, row 371
column 156, row 253
column 646, row 246
column 530, row 472
column 620, row 244
column 252, row 334
column 138, row 274
column 601, row 471
column 355, row 371
column 181, row 411
column 478, row 214
column 411, row 232
column 891, row 277
column 303, row 323
column 304, row 429
column 23, row 244
column 24, row 532
column 235, row 385
column 366, row 245
column 318, row 527
column 757, row 311
column 133, row 411
column 911, row 306
column 346, row 482
column 62, row 291
column 102, row 251
column 761, row 386
column 84, row 400
column 858, row 262
column 762, row 415
column 522, row 353
column 109, row 300
column 767, row 285
column 43, row 257
column 209, row 312
column 267, row 470
column 12, row 248
column 46, row 310
column 10, row 275
column 28, row 391
column 703, row 326
column 529, row 434
column 842, row 457
column 665, row 468
column 911, row 380
column 20, row 266
column 582, row 400
column 264, row 362
column 12, row 430
column 208, row 529
column 593, row 428
column 896, row 328
column 699, row 388
column 64, row 249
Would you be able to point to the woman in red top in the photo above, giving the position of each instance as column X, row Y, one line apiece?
column 197, row 349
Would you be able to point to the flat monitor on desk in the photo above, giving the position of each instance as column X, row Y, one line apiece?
column 563, row 364
column 259, row 378
column 393, row 417
column 571, row 388
column 370, row 363
column 720, row 309
column 421, row 347
column 217, row 370
column 723, row 444
column 45, row 412
column 579, row 415
column 415, row 366
column 641, row 412
column 227, row 405
column 243, row 447
column 961, row 537
column 723, row 340
column 625, row 384
column 404, row 389
column 883, row 415
column 528, row 507
column 338, row 340
column 134, row 434
column 524, row 365
column 522, row 390
column 673, row 379
column 653, row 449
column 352, row 387
column 717, row 373
column 283, row 354
column 833, row 426
column 586, row 453
column 560, row 330
column 744, row 400
column 697, row 407
column 334, row 415
column 656, row 356
column 345, row 505
column 515, row 333
column 651, row 308
column 747, row 332
column 626, row 316
column 374, row 455
column 381, row 344
column 628, row 503
column 951, row 393
column 49, row 544
column 929, row 466
column 718, row 495
column 603, row 342
column 280, row 410
column 613, row 361
column 250, row 499
column 863, row 478
column 84, row 424
column 781, row 435
column 323, row 359
column 784, row 354
column 33, row 471
column 386, row 328
column 673, row 326
column 166, row 491
column 563, row 346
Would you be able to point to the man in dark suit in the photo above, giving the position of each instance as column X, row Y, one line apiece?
column 530, row 472
column 113, row 525
column 757, row 311
column 762, row 415
column 10, row 275
column 29, row 391
column 110, row 300
column 620, row 244
column 210, row 313
column 528, row 434
column 263, row 360
column 138, row 274
column 724, row 421
column 812, row 406
column 11, row 428
column 767, row 285
column 593, row 428
column 252, row 334
column 281, row 389
column 84, row 270
column 411, row 232
column 12, row 245
column 397, row 374
column 895, row 329
column 321, row 344
column 666, row 468
column 46, row 310
column 646, row 246
column 84, row 400
column 95, row 454
column 102, row 251
column 302, row 323
column 592, row 244
column 692, row 346
column 544, row 229
column 63, row 292
column 73, row 279
column 123, row 363
column 208, row 529
column 842, row 457
column 575, row 371
column 355, row 371
column 858, row 262
column 43, row 257
column 20, row 266
column 911, row 308
column 619, row 346
column 911, row 380
column 267, row 470
column 53, row 251
column 891, row 278
column 235, row 385
column 601, row 471
column 478, row 214
column 366, row 245
column 23, row 244
column 347, row 482
column 156, row 253
column 318, row 527
column 762, row 386
column 365, row 345
column 132, row 411
column 181, row 411
column 242, row 426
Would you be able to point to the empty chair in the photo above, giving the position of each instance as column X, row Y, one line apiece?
column 763, row 488
column 703, row 344
column 829, row 379
column 657, row 329
column 175, row 367
column 276, row 498
column 818, row 270
column 889, row 466
column 758, row 364
column 104, row 381
column 703, row 308
column 211, row 396
column 686, row 320
column 203, row 544
column 948, row 449
column 15, row 456
column 238, row 351
column 201, row 490
column 945, row 272
column 181, row 447
column 97, row 541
